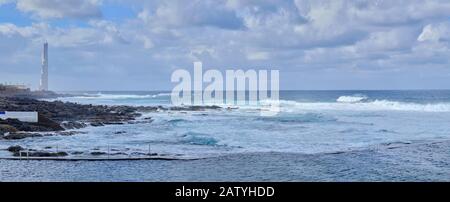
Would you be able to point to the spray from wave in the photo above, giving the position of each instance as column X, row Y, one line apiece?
column 352, row 98
column 376, row 105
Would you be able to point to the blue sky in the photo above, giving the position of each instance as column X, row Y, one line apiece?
column 316, row 44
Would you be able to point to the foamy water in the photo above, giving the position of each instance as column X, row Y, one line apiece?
column 309, row 122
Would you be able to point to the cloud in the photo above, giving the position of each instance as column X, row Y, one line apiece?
column 100, row 34
column 342, row 38
column 395, row 39
column 5, row 1
column 435, row 32
column 79, row 9
column 257, row 55
column 176, row 13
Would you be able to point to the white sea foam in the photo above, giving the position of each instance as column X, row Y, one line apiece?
column 351, row 99
column 161, row 95
column 376, row 105
column 118, row 96
column 344, row 103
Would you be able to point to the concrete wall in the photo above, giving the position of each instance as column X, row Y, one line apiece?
column 21, row 116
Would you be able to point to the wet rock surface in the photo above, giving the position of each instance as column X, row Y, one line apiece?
column 18, row 150
column 20, row 135
column 39, row 154
column 96, row 153
column 23, row 135
column 15, row 148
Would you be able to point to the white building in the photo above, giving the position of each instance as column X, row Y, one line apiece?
column 31, row 117
column 44, row 71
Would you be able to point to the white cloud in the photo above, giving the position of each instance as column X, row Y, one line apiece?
column 82, row 9
column 9, row 29
column 177, row 13
column 435, row 32
column 5, row 1
column 390, row 40
column 257, row 55
column 295, row 36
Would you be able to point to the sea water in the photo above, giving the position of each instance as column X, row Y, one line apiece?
column 309, row 123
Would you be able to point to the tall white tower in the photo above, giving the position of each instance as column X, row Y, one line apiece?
column 44, row 71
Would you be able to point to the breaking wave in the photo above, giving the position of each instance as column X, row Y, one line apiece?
column 118, row 97
column 352, row 98
column 376, row 105
column 161, row 95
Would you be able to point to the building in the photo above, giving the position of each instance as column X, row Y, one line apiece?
column 44, row 71
column 13, row 88
column 31, row 117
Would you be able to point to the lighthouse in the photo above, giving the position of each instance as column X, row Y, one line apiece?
column 44, row 70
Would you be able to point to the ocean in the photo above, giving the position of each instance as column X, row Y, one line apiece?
column 343, row 135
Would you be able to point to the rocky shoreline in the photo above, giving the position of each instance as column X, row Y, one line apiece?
column 59, row 116
column 56, row 118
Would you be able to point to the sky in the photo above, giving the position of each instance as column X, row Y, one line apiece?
column 315, row 44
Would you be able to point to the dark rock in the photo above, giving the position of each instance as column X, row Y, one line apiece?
column 140, row 122
column 18, row 136
column 113, row 123
column 69, row 133
column 194, row 108
column 47, row 123
column 43, row 124
column 40, row 154
column 72, row 125
column 16, row 148
column 7, row 129
column 98, row 153
column 59, row 112
column 138, row 153
column 97, row 124
column 119, row 153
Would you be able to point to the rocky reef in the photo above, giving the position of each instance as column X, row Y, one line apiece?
column 59, row 116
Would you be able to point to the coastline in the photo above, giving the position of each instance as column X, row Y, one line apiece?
column 398, row 155
column 59, row 118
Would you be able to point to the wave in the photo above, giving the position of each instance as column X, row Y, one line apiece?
column 161, row 95
column 198, row 139
column 352, row 98
column 119, row 96
column 357, row 102
column 376, row 105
